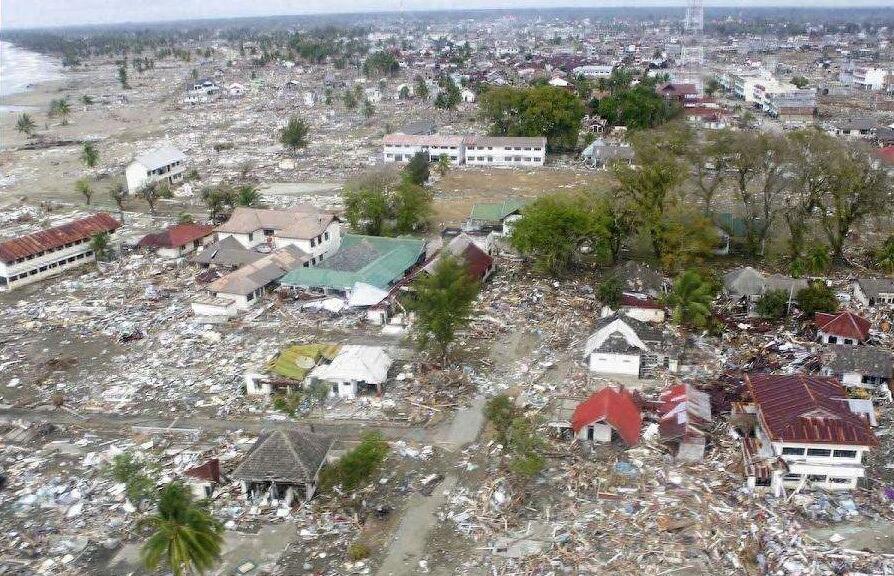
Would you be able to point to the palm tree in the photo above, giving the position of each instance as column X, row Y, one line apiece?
column 63, row 109
column 817, row 259
column 100, row 245
column 443, row 165
column 185, row 537
column 26, row 125
column 84, row 189
column 885, row 256
column 690, row 300
column 89, row 155
column 247, row 195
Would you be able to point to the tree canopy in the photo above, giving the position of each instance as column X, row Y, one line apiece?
column 536, row 111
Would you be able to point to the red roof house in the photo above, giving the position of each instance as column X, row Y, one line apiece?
column 842, row 328
column 801, row 408
column 178, row 236
column 617, row 408
column 57, row 237
column 209, row 471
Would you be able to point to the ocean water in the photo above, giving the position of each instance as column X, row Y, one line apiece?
column 19, row 69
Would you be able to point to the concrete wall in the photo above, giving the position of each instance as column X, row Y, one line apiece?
column 626, row 364
column 53, row 263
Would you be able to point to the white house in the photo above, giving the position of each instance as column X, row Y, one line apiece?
column 866, row 78
column 625, row 346
column 505, row 151
column 641, row 307
column 841, row 328
column 315, row 233
column 801, row 431
column 874, row 291
column 165, row 164
column 42, row 254
column 355, row 369
column 865, row 367
column 178, row 240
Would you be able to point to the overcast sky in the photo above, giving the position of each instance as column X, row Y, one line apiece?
column 36, row 13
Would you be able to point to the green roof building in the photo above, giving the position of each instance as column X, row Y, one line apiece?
column 374, row 260
column 493, row 213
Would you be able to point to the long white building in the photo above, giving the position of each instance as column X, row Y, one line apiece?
column 469, row 150
column 32, row 258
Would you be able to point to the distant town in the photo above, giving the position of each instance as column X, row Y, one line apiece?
column 483, row 292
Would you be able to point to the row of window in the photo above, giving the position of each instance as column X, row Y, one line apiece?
column 818, row 452
column 819, row 478
column 50, row 266
column 526, row 148
column 43, row 252
column 510, row 159
column 319, row 240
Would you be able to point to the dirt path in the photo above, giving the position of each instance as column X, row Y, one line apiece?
column 408, row 543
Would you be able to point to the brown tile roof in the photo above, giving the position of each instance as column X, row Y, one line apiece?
column 175, row 236
column 301, row 222
column 56, row 237
column 807, row 409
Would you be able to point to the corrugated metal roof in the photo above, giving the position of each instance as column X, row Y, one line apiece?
column 160, row 157
column 845, row 324
column 175, row 236
column 807, row 409
column 496, row 211
column 615, row 407
column 56, row 237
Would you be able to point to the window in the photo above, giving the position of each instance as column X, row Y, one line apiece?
column 839, row 480
column 819, row 452
column 848, row 341
column 250, row 297
column 833, row 339
column 251, row 236
column 844, row 454
column 313, row 242
column 326, row 235
column 816, row 477
column 792, row 477
column 791, row 451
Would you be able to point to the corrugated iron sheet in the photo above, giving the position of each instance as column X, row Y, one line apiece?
column 53, row 238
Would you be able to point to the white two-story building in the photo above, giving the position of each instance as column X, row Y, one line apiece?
column 402, row 147
column 165, row 164
column 505, row 151
column 316, row 233
column 802, row 431
column 32, row 258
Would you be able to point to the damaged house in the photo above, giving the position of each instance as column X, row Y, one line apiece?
column 841, row 328
column 801, row 431
column 624, row 346
column 283, row 465
column 684, row 415
column 862, row 367
column 178, row 240
column 747, row 285
column 874, row 291
column 607, row 414
column 479, row 263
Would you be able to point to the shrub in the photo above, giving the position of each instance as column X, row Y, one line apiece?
column 773, row 304
column 817, row 298
column 500, row 412
column 609, row 292
column 356, row 467
column 358, row 551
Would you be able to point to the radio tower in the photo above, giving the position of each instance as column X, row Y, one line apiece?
column 693, row 53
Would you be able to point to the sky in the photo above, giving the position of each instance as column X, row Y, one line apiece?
column 40, row 13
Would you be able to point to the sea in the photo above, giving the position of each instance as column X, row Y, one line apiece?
column 21, row 69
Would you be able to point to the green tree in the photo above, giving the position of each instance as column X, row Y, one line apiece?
column 294, row 134
column 609, row 291
column 412, row 207
column 773, row 304
column 536, row 111
column 816, row 298
column 500, row 411
column 136, row 475
column 403, row 93
column 884, row 257
column 449, row 96
column 367, row 202
column 350, row 100
column 100, row 244
column 247, row 195
column 380, row 63
column 60, row 108
column 89, row 155
column 638, row 107
column 709, row 165
column 554, row 229
column 122, row 77
column 185, row 538
column 26, row 125
column 817, row 260
column 185, row 218
column 442, row 302
column 118, row 193
column 418, row 169
column 443, row 165
column 800, row 81
column 151, row 193
column 356, row 467
column 84, row 189
column 219, row 200
column 368, row 109
column 858, row 188
column 690, row 300
column 711, row 87
column 812, row 152
column 421, row 90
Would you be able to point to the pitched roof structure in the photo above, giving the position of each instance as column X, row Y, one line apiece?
column 374, row 260
column 209, row 471
column 618, row 333
column 496, row 212
column 289, row 457
column 617, row 408
column 685, row 411
column 57, row 236
column 160, row 157
column 865, row 360
column 300, row 222
column 807, row 409
column 744, row 282
column 843, row 324
column 477, row 260
column 629, row 300
column 872, row 287
column 261, row 272
column 638, row 277
column 296, row 361
column 356, row 363
column 228, row 253
column 176, row 236
column 506, row 141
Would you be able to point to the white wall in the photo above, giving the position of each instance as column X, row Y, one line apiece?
column 645, row 314
column 626, row 364
column 505, row 155
column 53, row 261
